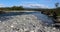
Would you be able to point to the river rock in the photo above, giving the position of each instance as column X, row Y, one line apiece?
column 25, row 23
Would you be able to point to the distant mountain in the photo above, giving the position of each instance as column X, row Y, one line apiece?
column 35, row 6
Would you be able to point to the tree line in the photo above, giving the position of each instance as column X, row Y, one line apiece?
column 12, row 8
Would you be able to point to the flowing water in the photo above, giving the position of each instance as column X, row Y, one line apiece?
column 39, row 15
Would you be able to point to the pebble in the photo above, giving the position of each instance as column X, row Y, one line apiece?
column 32, row 31
column 12, row 26
column 54, row 28
column 0, row 21
column 25, row 23
column 48, row 31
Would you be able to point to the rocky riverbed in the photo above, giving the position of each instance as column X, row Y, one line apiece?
column 25, row 23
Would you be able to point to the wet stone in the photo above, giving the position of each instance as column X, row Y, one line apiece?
column 16, row 29
column 27, row 31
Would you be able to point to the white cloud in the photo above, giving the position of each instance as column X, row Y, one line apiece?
column 35, row 5
column 1, row 5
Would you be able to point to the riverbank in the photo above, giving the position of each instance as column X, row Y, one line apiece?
column 29, row 22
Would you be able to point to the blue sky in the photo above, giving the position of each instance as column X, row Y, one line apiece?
column 46, row 3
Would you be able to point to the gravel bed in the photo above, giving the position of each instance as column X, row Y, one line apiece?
column 24, row 23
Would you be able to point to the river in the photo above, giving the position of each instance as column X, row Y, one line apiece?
column 39, row 15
